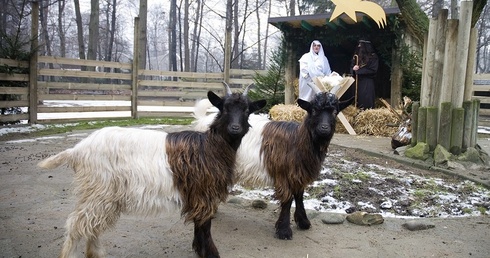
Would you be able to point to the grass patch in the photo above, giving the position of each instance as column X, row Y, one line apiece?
column 51, row 129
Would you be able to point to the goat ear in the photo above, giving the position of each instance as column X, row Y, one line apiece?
column 304, row 105
column 257, row 105
column 216, row 100
column 345, row 103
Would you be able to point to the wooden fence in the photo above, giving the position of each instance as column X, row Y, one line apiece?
column 481, row 91
column 68, row 81
column 145, row 93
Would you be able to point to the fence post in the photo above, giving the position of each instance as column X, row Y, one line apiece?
column 134, row 71
column 227, row 63
column 33, row 64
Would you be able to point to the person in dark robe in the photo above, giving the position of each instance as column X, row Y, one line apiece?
column 364, row 66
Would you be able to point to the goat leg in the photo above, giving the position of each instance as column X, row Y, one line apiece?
column 283, row 229
column 300, row 214
column 203, row 243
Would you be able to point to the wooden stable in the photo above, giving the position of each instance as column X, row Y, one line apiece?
column 339, row 39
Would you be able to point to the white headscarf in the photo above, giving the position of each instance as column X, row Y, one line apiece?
column 311, row 57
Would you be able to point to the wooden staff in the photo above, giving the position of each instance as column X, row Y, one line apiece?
column 355, row 96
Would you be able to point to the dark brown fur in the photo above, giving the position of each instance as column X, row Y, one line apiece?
column 293, row 155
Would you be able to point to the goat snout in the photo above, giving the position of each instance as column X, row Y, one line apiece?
column 324, row 128
column 235, row 129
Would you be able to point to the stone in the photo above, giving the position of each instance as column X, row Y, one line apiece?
column 332, row 218
column 419, row 151
column 365, row 219
column 414, row 225
column 441, row 155
column 259, row 204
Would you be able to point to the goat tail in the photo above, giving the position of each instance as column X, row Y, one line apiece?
column 56, row 160
column 202, row 121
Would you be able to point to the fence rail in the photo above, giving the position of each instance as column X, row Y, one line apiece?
column 62, row 83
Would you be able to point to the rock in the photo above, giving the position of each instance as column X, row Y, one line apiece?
column 259, row 204
column 365, row 219
column 441, row 155
column 414, row 225
column 419, row 151
column 235, row 200
column 332, row 218
column 471, row 155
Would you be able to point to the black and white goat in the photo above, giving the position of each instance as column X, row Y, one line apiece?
column 290, row 157
column 126, row 170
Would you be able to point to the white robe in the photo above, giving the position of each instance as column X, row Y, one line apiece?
column 311, row 65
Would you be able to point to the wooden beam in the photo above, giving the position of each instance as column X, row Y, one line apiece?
column 305, row 25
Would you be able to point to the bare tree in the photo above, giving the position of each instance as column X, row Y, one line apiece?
column 78, row 19
column 61, row 27
column 43, row 16
column 187, row 60
column 93, row 30
column 196, row 34
column 173, row 36
column 143, row 12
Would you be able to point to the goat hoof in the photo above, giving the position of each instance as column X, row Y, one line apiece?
column 285, row 234
column 304, row 225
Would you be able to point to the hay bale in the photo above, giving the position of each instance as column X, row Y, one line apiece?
column 350, row 113
column 283, row 112
column 377, row 122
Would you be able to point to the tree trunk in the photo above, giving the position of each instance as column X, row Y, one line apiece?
column 78, row 19
column 266, row 36
column 236, row 34
column 416, row 20
column 142, row 37
column 61, row 32
column 173, row 36
column 93, row 31
column 187, row 60
column 259, row 45
column 292, row 7
column 197, row 35
column 436, row 7
column 113, row 29
column 43, row 16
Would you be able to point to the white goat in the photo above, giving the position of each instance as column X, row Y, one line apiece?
column 127, row 170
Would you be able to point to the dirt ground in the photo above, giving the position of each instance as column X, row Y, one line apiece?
column 35, row 203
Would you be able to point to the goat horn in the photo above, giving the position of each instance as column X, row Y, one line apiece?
column 227, row 87
column 245, row 92
column 314, row 87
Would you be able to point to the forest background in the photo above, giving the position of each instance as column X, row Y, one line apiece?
column 177, row 35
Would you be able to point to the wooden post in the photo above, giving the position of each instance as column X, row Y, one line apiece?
column 227, row 61
column 476, row 114
column 444, row 138
column 431, row 127
column 467, row 124
column 134, row 74
column 459, row 73
column 33, row 99
column 415, row 119
column 470, row 66
column 449, row 55
column 439, row 47
column 422, row 125
column 426, row 90
column 396, row 78
column 457, row 122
